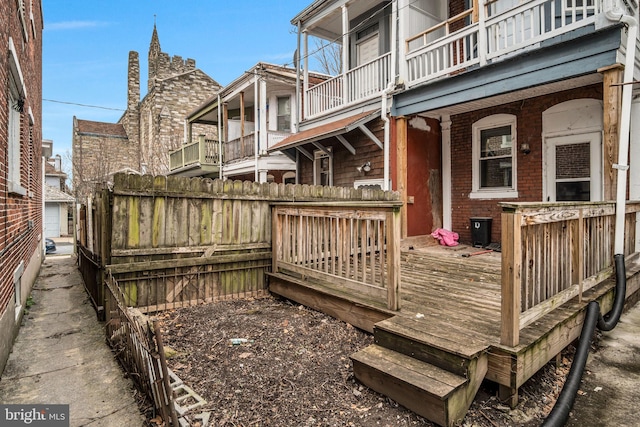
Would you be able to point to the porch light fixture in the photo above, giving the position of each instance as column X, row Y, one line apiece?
column 364, row 168
column 524, row 148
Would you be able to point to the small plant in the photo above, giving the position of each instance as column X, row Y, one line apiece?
column 30, row 302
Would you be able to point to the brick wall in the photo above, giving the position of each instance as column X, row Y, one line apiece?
column 529, row 167
column 20, row 215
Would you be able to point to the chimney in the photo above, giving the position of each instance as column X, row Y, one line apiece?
column 133, row 90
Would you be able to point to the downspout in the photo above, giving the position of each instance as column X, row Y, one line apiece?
column 608, row 323
column 385, row 95
column 560, row 412
column 385, row 119
column 298, row 96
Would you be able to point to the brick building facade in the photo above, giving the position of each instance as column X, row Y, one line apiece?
column 149, row 128
column 21, row 248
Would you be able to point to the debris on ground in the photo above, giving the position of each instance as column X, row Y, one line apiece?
column 270, row 362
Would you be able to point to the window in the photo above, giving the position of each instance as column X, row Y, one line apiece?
column 494, row 160
column 284, row 114
column 322, row 167
column 17, row 94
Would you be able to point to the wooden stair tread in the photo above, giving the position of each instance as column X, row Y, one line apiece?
column 459, row 343
column 424, row 376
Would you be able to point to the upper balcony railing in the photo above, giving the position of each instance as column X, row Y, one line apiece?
column 360, row 83
column 472, row 38
column 245, row 147
column 204, row 152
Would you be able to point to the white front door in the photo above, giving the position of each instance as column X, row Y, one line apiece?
column 574, row 168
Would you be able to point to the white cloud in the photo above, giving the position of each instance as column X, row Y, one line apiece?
column 73, row 25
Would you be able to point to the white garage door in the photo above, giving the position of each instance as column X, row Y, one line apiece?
column 51, row 220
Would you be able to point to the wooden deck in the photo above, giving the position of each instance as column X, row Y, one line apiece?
column 449, row 317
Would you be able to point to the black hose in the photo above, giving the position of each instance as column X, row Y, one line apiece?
column 610, row 321
column 560, row 412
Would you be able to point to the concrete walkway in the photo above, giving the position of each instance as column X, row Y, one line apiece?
column 61, row 356
column 610, row 392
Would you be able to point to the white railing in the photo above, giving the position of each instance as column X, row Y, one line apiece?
column 324, row 96
column 360, row 83
column 369, row 79
column 493, row 35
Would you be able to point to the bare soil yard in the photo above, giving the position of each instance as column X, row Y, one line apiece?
column 295, row 370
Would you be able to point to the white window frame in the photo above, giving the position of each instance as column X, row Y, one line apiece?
column 17, row 91
column 490, row 122
column 318, row 155
column 17, row 289
column 369, row 183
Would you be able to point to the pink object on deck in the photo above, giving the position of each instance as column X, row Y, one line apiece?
column 445, row 237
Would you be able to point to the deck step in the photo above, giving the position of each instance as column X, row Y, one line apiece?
column 434, row 393
column 434, row 343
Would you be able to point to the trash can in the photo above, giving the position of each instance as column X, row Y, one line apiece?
column 481, row 231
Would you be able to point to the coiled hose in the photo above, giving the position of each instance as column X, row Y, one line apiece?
column 560, row 412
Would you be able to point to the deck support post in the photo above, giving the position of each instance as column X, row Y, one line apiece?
column 401, row 167
column 508, row 395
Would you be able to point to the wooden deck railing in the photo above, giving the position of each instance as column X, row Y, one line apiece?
column 552, row 252
column 350, row 245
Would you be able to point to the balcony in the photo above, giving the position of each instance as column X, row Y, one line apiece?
column 478, row 37
column 358, row 84
column 202, row 155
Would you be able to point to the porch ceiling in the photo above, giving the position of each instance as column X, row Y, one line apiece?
column 323, row 18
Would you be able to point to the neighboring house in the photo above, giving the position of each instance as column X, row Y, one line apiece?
column 258, row 110
column 58, row 204
column 149, row 128
column 21, row 180
column 504, row 101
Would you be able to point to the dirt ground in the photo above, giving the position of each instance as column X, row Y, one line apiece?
column 295, row 370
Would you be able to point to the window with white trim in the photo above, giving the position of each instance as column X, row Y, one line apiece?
column 323, row 167
column 494, row 157
column 16, row 107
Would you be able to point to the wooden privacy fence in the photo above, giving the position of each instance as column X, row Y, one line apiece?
column 138, row 346
column 174, row 241
column 554, row 252
column 353, row 246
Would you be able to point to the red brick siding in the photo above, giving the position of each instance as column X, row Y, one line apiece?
column 20, row 216
column 528, row 114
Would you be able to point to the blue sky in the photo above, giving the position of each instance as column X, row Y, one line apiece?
column 86, row 46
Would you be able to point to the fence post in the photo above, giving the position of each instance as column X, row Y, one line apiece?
column 276, row 238
column 577, row 252
column 511, row 277
column 393, row 259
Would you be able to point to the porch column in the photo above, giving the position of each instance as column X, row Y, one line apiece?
column 401, row 170
column 304, row 99
column 345, row 52
column 242, row 124
column 264, row 131
column 634, row 163
column 612, row 99
column 445, row 128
